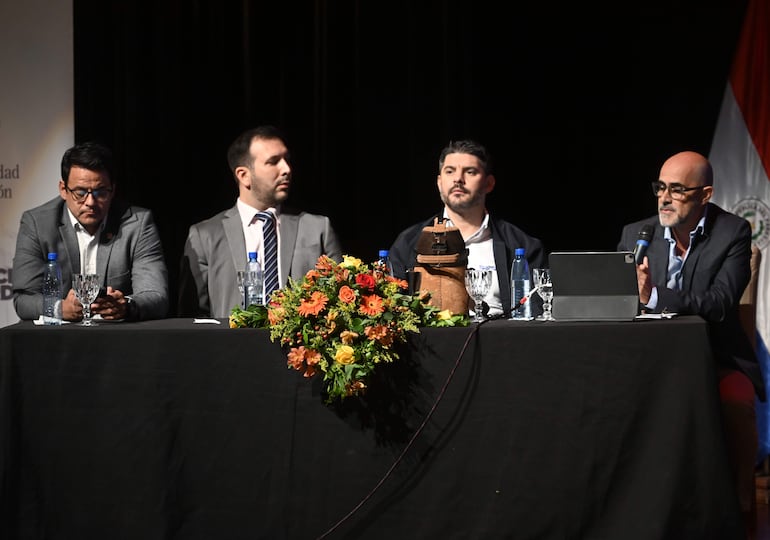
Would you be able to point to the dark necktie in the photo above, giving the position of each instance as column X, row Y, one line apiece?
column 270, row 265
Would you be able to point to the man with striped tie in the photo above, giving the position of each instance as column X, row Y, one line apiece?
column 289, row 241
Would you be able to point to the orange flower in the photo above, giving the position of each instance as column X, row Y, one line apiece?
column 300, row 356
column 347, row 294
column 341, row 274
column 348, row 336
column 402, row 284
column 371, row 305
column 275, row 313
column 314, row 305
column 380, row 333
column 331, row 326
column 324, row 263
column 295, row 357
column 312, row 358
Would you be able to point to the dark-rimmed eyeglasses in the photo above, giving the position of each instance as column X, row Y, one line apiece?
column 677, row 191
column 80, row 194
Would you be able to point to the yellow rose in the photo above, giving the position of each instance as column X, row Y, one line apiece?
column 444, row 315
column 344, row 355
column 351, row 262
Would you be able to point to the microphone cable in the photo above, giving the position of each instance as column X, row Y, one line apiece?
column 417, row 432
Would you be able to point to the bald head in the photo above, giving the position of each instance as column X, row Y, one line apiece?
column 692, row 179
column 689, row 168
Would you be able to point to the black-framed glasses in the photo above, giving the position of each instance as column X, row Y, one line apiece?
column 80, row 194
column 677, row 191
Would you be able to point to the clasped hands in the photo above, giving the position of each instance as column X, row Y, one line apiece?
column 111, row 306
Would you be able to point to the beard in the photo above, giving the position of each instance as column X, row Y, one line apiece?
column 462, row 202
column 671, row 218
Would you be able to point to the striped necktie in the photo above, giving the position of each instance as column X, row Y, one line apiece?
column 270, row 264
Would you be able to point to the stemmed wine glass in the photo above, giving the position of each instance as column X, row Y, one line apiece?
column 241, row 277
column 86, row 287
column 542, row 280
column 478, row 283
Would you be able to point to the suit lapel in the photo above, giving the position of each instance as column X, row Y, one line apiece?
column 500, row 254
column 118, row 216
column 691, row 263
column 658, row 256
column 234, row 234
column 70, row 241
column 287, row 237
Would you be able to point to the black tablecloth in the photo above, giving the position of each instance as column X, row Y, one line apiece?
column 169, row 429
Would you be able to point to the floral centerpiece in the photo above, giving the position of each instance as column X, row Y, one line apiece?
column 342, row 320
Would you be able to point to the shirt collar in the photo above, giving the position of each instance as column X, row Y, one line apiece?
column 480, row 235
column 247, row 212
column 697, row 231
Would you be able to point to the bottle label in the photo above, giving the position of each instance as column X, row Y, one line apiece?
column 52, row 315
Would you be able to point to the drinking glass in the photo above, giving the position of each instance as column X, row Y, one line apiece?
column 86, row 287
column 478, row 283
column 541, row 278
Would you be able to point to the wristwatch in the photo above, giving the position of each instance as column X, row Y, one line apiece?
column 130, row 307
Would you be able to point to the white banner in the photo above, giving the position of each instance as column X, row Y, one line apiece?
column 36, row 117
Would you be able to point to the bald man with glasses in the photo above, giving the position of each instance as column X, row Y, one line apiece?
column 92, row 232
column 698, row 263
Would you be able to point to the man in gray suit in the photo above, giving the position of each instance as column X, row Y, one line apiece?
column 91, row 230
column 216, row 248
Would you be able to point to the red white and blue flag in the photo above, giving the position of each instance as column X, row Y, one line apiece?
column 740, row 154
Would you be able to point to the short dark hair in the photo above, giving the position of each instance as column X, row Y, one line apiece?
column 467, row 146
column 88, row 155
column 238, row 153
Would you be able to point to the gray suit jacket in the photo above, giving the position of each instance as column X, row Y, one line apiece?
column 714, row 276
column 215, row 250
column 129, row 257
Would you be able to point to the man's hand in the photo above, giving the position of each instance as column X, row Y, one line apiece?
column 71, row 309
column 644, row 280
column 114, row 305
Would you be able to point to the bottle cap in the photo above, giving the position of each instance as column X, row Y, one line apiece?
column 383, row 253
column 252, row 254
column 519, row 251
column 52, row 256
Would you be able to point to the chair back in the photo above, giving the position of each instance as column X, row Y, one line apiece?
column 747, row 308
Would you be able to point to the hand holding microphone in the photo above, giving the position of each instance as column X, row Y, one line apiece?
column 642, row 243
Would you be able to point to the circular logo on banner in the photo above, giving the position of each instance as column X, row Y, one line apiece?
column 757, row 214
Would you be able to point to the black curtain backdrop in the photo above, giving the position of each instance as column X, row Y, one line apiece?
column 579, row 107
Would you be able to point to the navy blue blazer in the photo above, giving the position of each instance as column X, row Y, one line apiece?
column 714, row 276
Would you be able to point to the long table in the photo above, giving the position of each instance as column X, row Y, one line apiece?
column 524, row 430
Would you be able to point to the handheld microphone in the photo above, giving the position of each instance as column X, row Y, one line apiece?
column 642, row 243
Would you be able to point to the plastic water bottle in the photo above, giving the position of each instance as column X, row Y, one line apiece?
column 52, row 291
column 253, row 281
column 520, row 286
column 384, row 261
